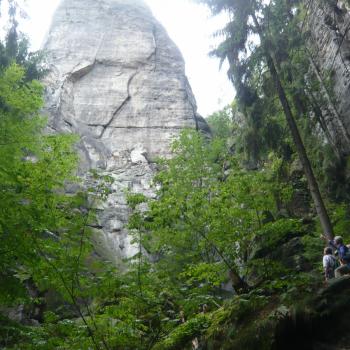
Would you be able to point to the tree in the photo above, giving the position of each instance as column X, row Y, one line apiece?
column 212, row 218
column 15, row 47
column 33, row 172
column 43, row 231
column 251, row 19
column 207, row 212
column 222, row 122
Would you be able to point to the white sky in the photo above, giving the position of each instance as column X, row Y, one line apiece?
column 188, row 24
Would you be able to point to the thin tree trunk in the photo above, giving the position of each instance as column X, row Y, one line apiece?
column 238, row 284
column 313, row 185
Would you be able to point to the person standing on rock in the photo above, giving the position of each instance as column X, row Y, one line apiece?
column 343, row 255
column 329, row 263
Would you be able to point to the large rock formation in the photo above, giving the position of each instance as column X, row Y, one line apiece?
column 118, row 81
column 328, row 23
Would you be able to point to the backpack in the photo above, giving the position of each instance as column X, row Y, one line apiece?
column 346, row 257
column 331, row 267
column 335, row 263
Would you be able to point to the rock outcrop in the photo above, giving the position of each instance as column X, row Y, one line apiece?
column 328, row 23
column 118, row 81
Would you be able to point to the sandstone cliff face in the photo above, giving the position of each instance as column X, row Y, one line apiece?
column 329, row 26
column 118, row 81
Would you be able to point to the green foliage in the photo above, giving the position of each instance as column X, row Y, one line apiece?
column 204, row 272
column 184, row 333
column 33, row 172
column 312, row 242
column 274, row 233
column 198, row 216
column 279, row 32
column 134, row 199
column 221, row 215
column 44, row 232
column 209, row 214
column 15, row 47
column 240, row 324
column 341, row 220
column 208, row 217
column 222, row 122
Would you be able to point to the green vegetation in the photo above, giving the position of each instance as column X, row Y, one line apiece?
column 230, row 248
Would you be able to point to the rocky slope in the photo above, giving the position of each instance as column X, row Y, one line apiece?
column 118, row 81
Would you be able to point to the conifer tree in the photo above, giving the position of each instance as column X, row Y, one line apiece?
column 250, row 45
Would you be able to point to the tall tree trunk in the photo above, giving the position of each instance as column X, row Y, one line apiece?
column 313, row 185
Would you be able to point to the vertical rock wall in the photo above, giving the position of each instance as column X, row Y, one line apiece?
column 118, row 81
column 328, row 23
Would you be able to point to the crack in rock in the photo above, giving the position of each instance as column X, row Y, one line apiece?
column 123, row 104
column 155, row 41
column 128, row 98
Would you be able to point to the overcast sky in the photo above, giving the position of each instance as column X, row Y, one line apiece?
column 188, row 24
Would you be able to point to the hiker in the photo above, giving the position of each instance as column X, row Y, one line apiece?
column 329, row 263
column 343, row 255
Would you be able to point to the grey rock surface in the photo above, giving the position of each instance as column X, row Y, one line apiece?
column 118, row 81
column 328, row 23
